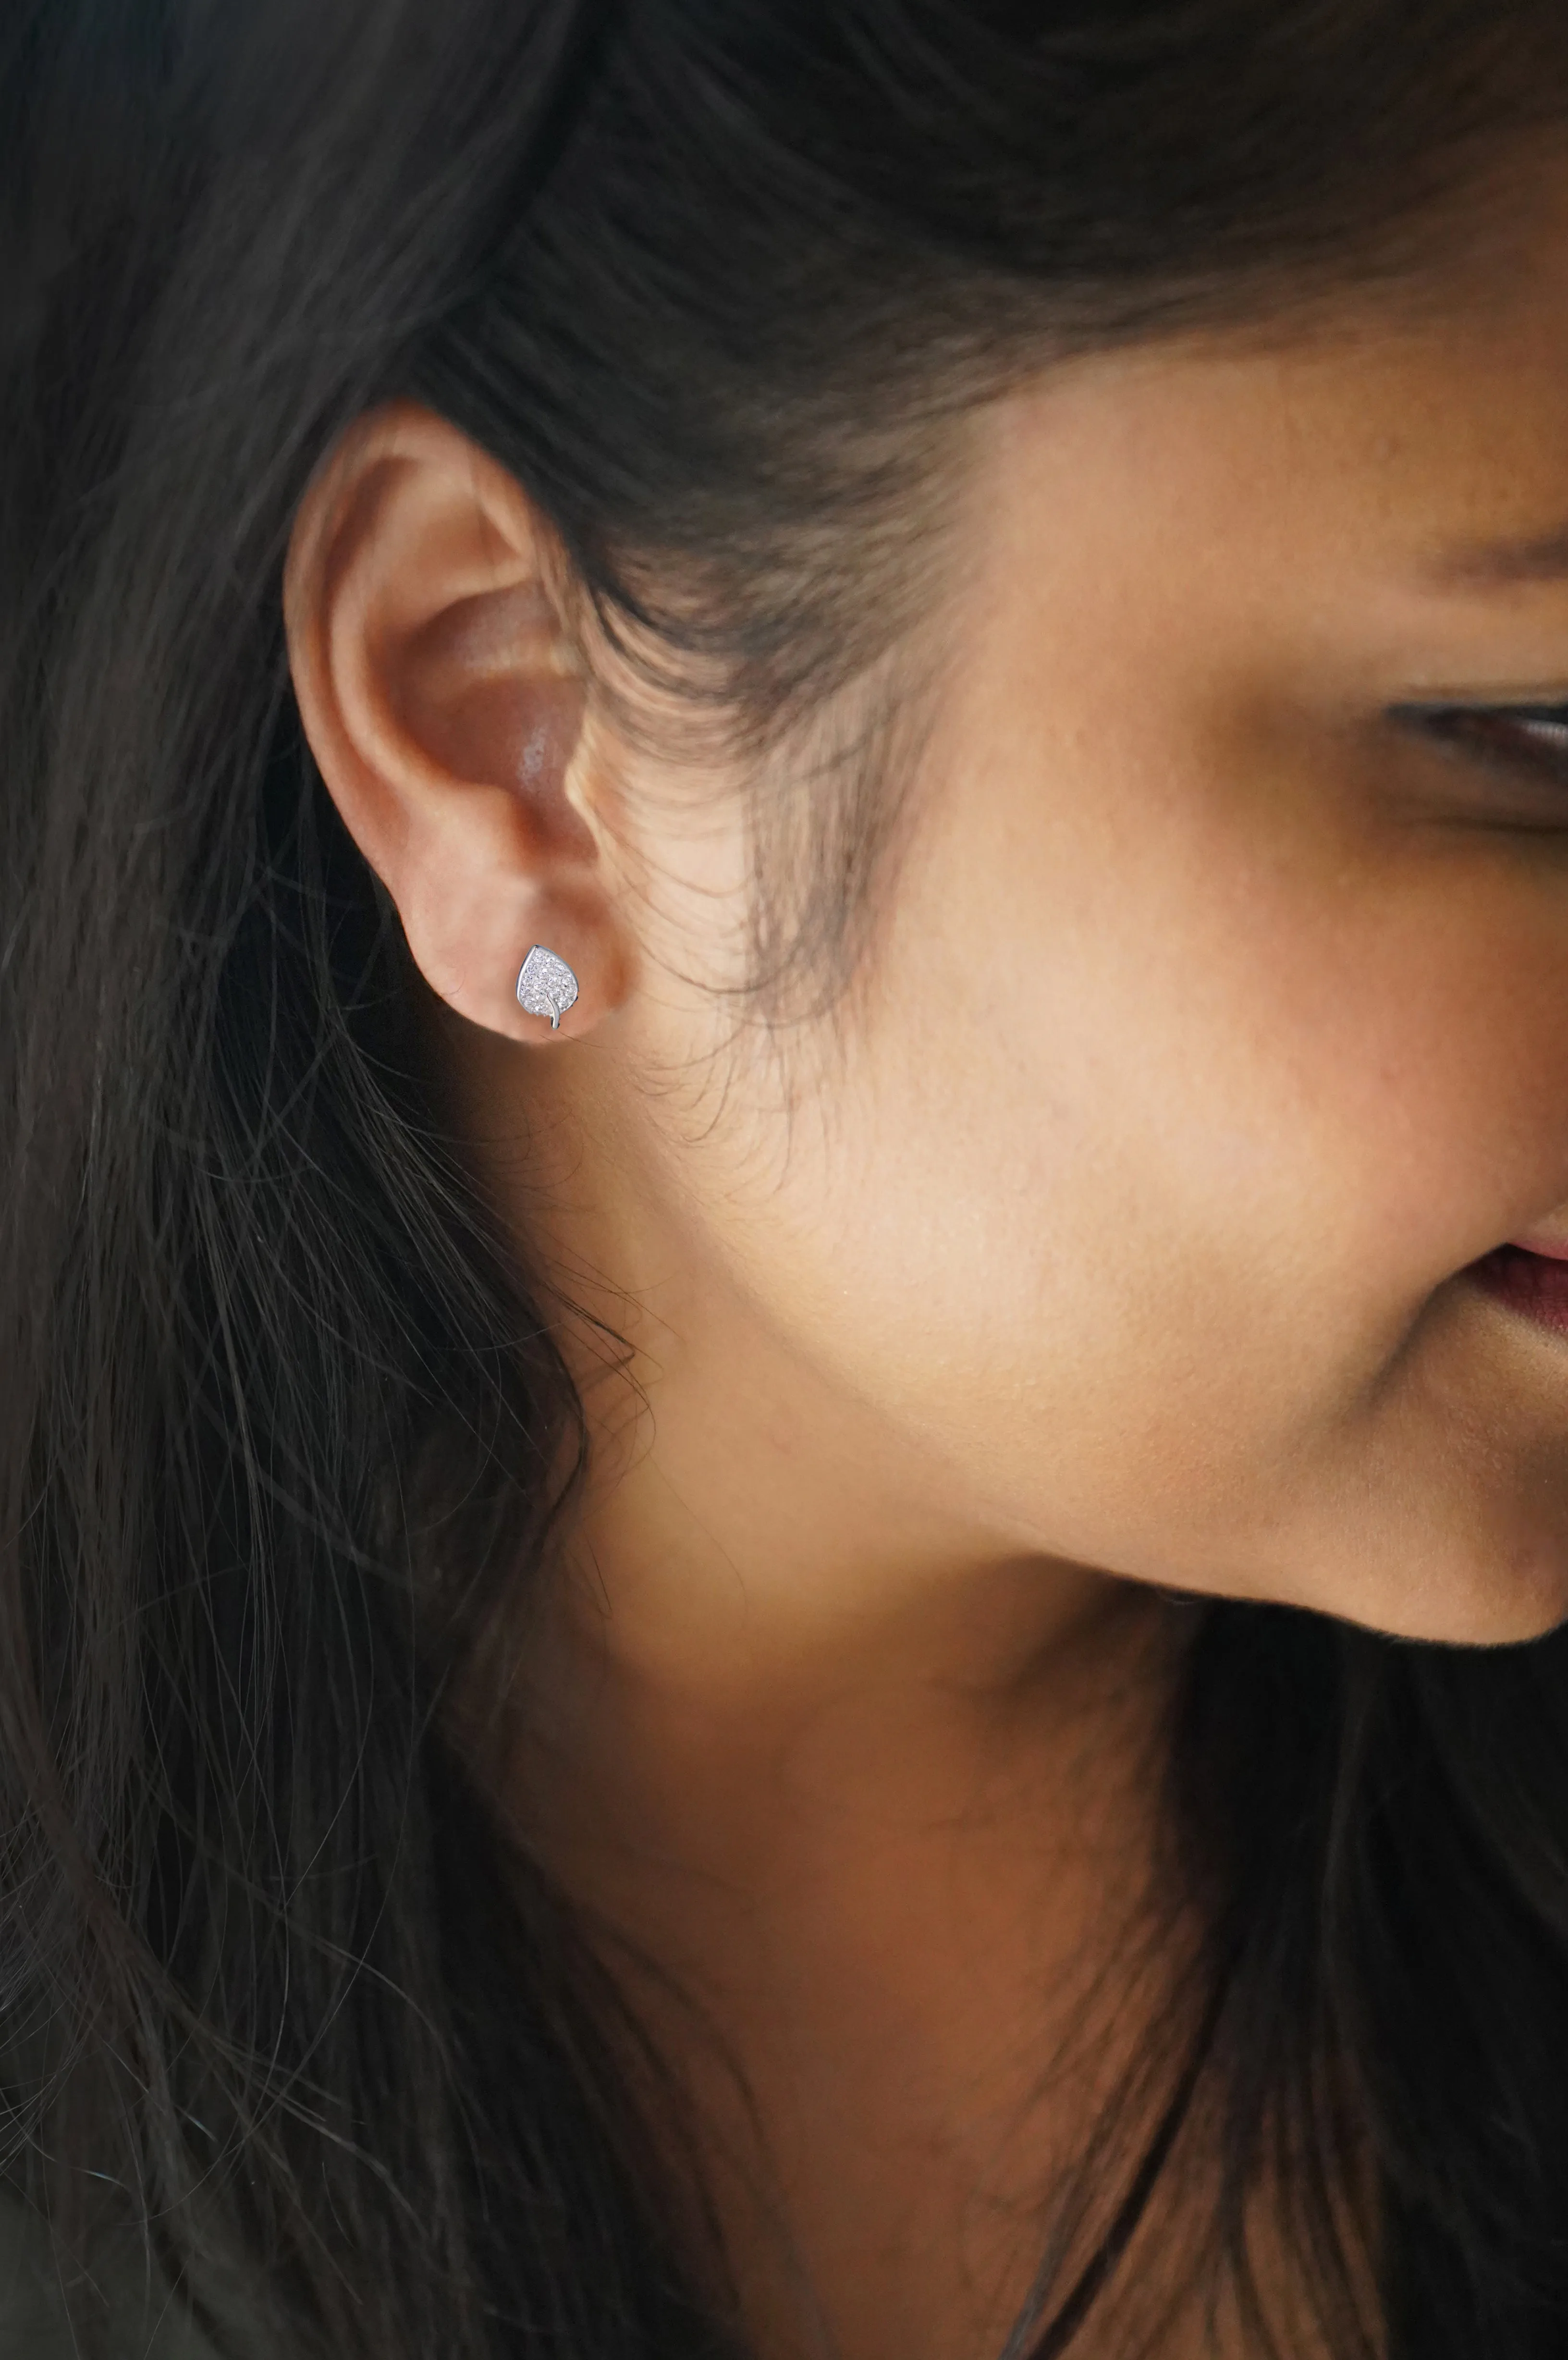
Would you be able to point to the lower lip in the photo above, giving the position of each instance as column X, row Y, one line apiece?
column 1532, row 1285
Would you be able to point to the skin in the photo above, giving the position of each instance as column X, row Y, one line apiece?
column 1112, row 1240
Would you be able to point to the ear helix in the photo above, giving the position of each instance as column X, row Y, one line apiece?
column 546, row 986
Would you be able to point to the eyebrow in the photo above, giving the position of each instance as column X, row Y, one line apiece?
column 1496, row 564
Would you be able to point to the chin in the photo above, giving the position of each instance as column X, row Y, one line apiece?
column 1506, row 1602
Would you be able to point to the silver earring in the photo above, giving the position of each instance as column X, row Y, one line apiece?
column 547, row 986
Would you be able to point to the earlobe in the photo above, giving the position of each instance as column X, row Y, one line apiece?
column 446, row 712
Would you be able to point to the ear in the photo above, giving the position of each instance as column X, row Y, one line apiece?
column 443, row 705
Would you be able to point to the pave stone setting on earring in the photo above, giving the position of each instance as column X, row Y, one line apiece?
column 547, row 986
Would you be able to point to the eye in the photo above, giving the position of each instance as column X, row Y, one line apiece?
column 1528, row 742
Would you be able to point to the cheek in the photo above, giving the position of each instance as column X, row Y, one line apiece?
column 1131, row 1198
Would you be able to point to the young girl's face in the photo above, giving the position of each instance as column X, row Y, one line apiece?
column 1214, row 1027
column 1219, row 1022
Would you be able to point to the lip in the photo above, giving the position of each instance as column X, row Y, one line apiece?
column 1532, row 1279
column 1549, row 1249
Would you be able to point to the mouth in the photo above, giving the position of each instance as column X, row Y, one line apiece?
column 1530, row 1280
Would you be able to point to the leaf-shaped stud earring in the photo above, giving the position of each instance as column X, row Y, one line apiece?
column 547, row 986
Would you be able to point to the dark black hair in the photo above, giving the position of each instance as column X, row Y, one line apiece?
column 283, row 1433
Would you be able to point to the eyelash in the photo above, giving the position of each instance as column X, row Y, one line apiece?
column 1531, row 738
